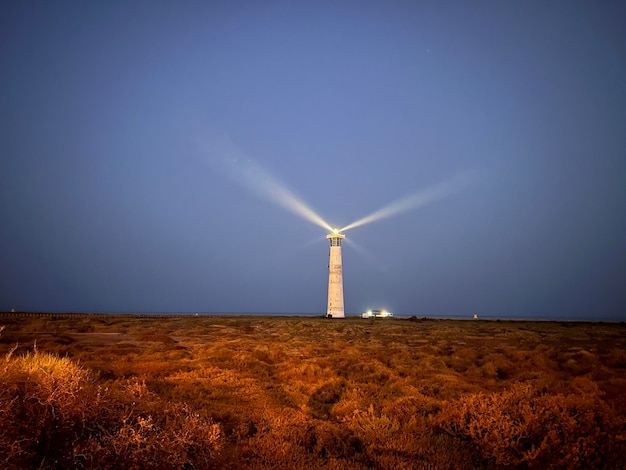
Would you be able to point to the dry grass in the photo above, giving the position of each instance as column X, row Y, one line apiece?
column 293, row 392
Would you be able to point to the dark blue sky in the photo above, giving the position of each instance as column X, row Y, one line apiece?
column 120, row 124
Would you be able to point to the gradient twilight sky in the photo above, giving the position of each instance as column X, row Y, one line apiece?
column 142, row 145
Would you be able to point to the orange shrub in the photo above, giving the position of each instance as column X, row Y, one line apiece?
column 52, row 415
column 523, row 426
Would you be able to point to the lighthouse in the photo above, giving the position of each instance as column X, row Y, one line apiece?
column 335, row 276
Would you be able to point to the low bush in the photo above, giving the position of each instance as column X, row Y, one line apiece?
column 53, row 415
column 525, row 426
column 322, row 400
column 218, row 392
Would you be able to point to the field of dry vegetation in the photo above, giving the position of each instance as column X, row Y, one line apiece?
column 122, row 391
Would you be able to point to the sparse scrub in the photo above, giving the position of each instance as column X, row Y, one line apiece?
column 324, row 398
column 172, row 437
column 279, row 392
column 42, row 403
column 522, row 426
column 53, row 415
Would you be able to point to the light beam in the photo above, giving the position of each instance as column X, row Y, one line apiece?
column 415, row 200
column 232, row 161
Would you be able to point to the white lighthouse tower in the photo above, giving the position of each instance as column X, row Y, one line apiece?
column 335, row 276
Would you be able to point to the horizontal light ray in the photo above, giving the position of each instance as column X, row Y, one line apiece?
column 413, row 201
column 233, row 162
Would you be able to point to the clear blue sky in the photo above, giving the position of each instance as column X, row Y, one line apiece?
column 114, row 114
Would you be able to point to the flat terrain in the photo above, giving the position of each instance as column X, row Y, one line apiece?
column 295, row 392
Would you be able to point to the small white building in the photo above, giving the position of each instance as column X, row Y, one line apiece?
column 376, row 314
